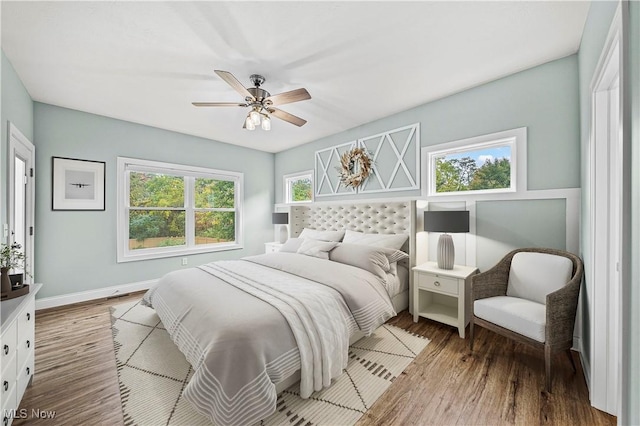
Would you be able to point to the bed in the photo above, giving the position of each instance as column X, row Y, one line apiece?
column 252, row 327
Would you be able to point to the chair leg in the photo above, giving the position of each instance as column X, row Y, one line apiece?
column 547, row 367
column 573, row 363
column 471, row 334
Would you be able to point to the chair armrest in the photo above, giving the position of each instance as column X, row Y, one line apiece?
column 490, row 283
column 561, row 311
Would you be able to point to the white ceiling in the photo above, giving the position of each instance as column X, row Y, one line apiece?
column 146, row 62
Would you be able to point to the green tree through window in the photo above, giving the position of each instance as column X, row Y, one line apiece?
column 301, row 190
column 157, row 214
column 463, row 174
column 298, row 188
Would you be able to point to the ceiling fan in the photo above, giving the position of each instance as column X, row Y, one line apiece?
column 262, row 103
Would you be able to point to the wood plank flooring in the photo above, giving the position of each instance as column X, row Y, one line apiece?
column 501, row 382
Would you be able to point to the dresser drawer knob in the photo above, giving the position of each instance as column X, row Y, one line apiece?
column 6, row 349
column 437, row 283
column 6, row 385
column 28, row 371
column 28, row 344
column 28, row 316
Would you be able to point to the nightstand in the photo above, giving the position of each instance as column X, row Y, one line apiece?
column 443, row 294
column 272, row 247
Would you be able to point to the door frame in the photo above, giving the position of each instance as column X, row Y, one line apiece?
column 608, row 222
column 18, row 141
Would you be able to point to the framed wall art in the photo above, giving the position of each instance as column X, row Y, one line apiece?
column 78, row 184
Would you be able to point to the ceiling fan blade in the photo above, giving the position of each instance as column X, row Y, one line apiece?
column 233, row 82
column 289, row 97
column 217, row 104
column 290, row 118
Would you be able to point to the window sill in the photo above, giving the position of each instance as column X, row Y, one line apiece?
column 134, row 257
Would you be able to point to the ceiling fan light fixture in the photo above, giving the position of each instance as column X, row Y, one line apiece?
column 249, row 123
column 255, row 117
column 266, row 123
column 260, row 101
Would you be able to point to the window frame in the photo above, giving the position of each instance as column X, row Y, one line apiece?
column 515, row 138
column 189, row 173
column 297, row 176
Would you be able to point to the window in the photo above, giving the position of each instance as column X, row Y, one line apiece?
column 485, row 164
column 172, row 210
column 298, row 187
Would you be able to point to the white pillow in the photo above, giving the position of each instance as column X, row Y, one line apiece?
column 534, row 275
column 377, row 260
column 372, row 259
column 291, row 245
column 316, row 248
column 394, row 241
column 322, row 235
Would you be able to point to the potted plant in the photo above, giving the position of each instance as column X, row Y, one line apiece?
column 11, row 257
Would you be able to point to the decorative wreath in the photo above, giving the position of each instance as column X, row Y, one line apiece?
column 355, row 167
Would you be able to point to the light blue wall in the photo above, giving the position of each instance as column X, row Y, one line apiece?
column 593, row 39
column 76, row 250
column 502, row 226
column 544, row 99
column 16, row 107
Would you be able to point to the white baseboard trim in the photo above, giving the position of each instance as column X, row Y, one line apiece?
column 84, row 296
column 586, row 368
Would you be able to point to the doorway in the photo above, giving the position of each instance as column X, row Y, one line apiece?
column 606, row 226
column 21, row 196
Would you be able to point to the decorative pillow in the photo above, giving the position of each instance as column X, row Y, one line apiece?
column 316, row 248
column 534, row 275
column 291, row 245
column 394, row 241
column 377, row 260
column 315, row 234
column 395, row 255
column 372, row 259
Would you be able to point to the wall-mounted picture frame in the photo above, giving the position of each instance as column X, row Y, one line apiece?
column 78, row 184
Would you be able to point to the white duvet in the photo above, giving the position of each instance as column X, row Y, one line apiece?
column 246, row 325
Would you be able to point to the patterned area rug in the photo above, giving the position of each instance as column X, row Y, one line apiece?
column 153, row 373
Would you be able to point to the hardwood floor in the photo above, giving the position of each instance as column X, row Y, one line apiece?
column 501, row 382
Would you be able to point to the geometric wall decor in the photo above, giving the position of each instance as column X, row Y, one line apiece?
column 326, row 176
column 396, row 160
column 395, row 156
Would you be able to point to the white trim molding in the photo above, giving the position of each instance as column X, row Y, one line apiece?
column 605, row 262
column 516, row 139
column 399, row 148
column 190, row 174
column 85, row 296
column 395, row 144
column 286, row 187
column 325, row 160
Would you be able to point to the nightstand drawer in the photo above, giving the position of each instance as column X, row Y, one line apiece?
column 438, row 283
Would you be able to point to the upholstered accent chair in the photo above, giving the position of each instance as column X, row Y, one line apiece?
column 530, row 296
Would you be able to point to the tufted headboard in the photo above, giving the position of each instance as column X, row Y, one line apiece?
column 395, row 217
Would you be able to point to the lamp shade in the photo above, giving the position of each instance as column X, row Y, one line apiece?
column 446, row 221
column 280, row 218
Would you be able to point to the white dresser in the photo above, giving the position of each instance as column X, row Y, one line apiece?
column 17, row 340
